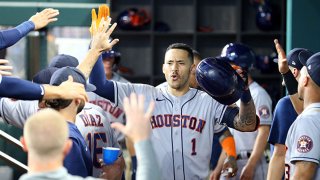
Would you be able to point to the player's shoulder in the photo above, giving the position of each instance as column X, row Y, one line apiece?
column 283, row 103
column 258, row 92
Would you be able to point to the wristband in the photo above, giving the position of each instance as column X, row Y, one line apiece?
column 246, row 96
column 291, row 83
column 229, row 146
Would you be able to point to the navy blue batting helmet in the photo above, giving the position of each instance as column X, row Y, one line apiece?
column 220, row 80
column 111, row 54
column 239, row 54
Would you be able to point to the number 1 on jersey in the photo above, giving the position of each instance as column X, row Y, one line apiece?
column 193, row 142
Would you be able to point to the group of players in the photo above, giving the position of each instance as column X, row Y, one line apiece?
column 181, row 128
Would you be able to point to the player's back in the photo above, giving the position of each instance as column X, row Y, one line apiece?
column 94, row 126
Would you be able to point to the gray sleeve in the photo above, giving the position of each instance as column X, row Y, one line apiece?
column 305, row 138
column 123, row 90
column 16, row 112
column 148, row 166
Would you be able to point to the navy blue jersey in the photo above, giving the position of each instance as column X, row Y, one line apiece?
column 78, row 161
column 284, row 116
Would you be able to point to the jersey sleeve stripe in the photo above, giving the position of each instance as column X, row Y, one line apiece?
column 304, row 159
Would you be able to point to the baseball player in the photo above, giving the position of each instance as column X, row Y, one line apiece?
column 184, row 120
column 37, row 21
column 110, row 59
column 94, row 126
column 78, row 161
column 302, row 156
column 45, row 139
column 228, row 145
column 284, row 116
column 250, row 146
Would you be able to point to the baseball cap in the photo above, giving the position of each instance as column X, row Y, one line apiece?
column 44, row 76
column 110, row 54
column 313, row 68
column 297, row 57
column 63, row 60
column 62, row 75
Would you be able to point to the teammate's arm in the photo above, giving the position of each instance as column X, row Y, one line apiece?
column 304, row 170
column 246, row 120
column 290, row 81
column 257, row 152
column 37, row 21
column 277, row 165
column 229, row 147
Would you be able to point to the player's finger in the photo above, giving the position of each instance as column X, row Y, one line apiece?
column 133, row 100
column 111, row 29
column 126, row 105
column 70, row 78
column 114, row 42
column 102, row 25
column 120, row 127
column 5, row 73
column 150, row 110
column 4, row 61
column 141, row 102
column 53, row 20
column 5, row 67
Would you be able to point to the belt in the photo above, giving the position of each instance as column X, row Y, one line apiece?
column 244, row 155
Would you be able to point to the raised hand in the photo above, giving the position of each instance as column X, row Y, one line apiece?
column 282, row 60
column 138, row 123
column 101, row 35
column 44, row 17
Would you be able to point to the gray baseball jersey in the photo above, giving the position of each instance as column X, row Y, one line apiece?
column 245, row 140
column 182, row 128
column 15, row 112
column 303, row 140
column 117, row 114
column 94, row 126
column 92, row 123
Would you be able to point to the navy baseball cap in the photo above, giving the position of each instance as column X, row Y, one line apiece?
column 110, row 54
column 62, row 75
column 63, row 60
column 44, row 76
column 313, row 68
column 297, row 57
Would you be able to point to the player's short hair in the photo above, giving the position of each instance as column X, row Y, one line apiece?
column 46, row 133
column 183, row 47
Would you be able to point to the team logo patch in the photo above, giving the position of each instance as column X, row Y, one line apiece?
column 304, row 144
column 264, row 112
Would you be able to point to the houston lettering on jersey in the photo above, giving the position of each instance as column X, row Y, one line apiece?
column 91, row 120
column 177, row 120
column 108, row 107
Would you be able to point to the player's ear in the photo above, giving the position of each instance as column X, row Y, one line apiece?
column 193, row 69
column 163, row 68
column 24, row 145
column 67, row 147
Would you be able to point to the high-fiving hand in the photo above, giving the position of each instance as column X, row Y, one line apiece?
column 43, row 18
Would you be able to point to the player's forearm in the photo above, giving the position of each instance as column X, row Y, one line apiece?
column 304, row 170
column 20, row 89
column 104, row 87
column 259, row 145
column 11, row 36
column 148, row 166
column 276, row 167
column 247, row 120
column 89, row 61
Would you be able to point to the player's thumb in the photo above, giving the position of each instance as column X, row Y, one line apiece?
column 118, row 126
column 70, row 78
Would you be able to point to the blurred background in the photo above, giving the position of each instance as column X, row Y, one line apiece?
column 206, row 25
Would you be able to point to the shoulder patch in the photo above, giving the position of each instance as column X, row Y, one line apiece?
column 304, row 144
column 264, row 112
